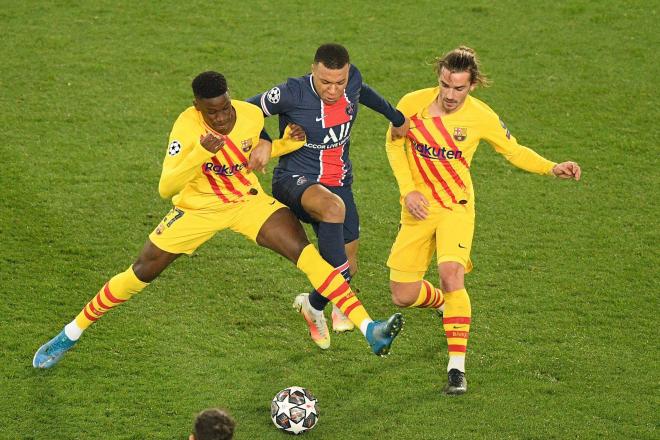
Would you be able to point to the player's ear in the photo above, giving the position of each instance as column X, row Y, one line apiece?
column 196, row 108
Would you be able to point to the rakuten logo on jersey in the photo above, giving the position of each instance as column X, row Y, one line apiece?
column 436, row 152
column 223, row 169
column 337, row 135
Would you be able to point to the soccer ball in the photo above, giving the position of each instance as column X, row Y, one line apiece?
column 294, row 410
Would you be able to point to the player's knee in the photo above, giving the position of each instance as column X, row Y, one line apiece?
column 452, row 282
column 333, row 209
column 402, row 296
column 452, row 276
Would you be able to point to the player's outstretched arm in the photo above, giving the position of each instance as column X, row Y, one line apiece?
column 293, row 138
column 567, row 170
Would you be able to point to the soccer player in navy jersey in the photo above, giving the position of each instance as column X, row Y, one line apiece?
column 315, row 180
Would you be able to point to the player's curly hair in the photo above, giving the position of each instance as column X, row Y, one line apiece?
column 333, row 56
column 214, row 424
column 462, row 59
column 209, row 85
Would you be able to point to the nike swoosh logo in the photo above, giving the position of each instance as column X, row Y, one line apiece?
column 320, row 119
column 461, row 246
column 458, row 326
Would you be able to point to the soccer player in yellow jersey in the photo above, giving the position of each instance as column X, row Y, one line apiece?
column 205, row 172
column 432, row 169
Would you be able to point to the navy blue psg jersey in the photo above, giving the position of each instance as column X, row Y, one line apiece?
column 324, row 156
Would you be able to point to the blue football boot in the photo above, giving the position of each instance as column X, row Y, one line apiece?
column 52, row 351
column 380, row 334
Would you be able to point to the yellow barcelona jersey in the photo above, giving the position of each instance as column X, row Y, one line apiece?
column 435, row 156
column 198, row 179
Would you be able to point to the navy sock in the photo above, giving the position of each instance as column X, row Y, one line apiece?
column 331, row 248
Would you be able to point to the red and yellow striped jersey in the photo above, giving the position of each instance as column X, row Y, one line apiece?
column 435, row 156
column 198, row 179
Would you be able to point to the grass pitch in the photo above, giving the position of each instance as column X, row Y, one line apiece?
column 564, row 292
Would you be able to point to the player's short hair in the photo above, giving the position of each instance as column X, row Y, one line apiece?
column 214, row 424
column 333, row 56
column 209, row 85
column 462, row 59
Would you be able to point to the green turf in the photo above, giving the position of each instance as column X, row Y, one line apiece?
column 565, row 290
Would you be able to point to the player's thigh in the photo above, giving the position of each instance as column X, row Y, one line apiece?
column 272, row 225
column 288, row 189
column 413, row 247
column 454, row 234
column 182, row 230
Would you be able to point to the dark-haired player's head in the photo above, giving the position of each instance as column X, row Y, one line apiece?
column 213, row 102
column 213, row 424
column 330, row 72
column 458, row 74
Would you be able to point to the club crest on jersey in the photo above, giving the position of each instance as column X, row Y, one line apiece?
column 301, row 180
column 460, row 133
column 273, row 95
column 350, row 109
column 246, row 145
column 174, row 148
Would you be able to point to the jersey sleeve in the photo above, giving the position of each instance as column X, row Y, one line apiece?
column 279, row 99
column 499, row 137
column 396, row 156
column 374, row 101
column 184, row 154
column 285, row 145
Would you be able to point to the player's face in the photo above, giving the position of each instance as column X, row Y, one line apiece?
column 330, row 83
column 217, row 112
column 454, row 88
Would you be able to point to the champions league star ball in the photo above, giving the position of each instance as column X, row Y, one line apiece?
column 294, row 410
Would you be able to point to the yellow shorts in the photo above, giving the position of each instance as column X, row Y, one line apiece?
column 447, row 233
column 183, row 230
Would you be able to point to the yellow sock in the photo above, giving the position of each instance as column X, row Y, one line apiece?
column 119, row 289
column 456, row 321
column 429, row 297
column 331, row 284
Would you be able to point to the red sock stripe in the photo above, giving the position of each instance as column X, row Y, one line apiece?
column 93, row 309
column 342, row 289
column 350, row 308
column 98, row 300
column 110, row 296
column 456, row 320
column 342, row 301
column 327, row 281
column 88, row 316
column 457, row 334
column 459, row 348
column 427, row 287
column 440, row 299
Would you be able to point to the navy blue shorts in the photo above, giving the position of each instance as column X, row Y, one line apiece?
column 289, row 188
